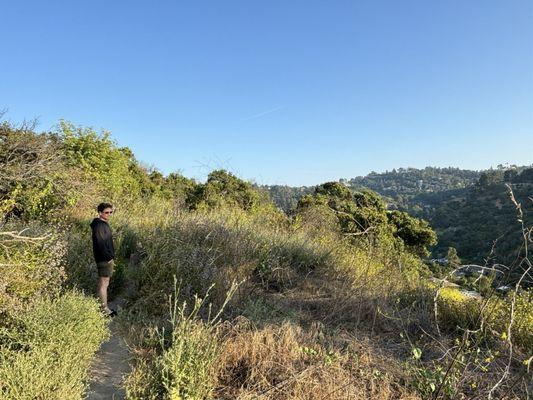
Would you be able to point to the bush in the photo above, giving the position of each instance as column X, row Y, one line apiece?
column 47, row 348
column 183, row 367
column 458, row 310
column 32, row 264
column 223, row 189
column 499, row 313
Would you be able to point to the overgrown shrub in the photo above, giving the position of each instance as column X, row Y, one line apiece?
column 47, row 348
column 32, row 264
column 456, row 310
column 182, row 364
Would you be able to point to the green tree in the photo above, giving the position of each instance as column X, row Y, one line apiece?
column 415, row 233
column 224, row 189
column 365, row 213
column 33, row 176
column 452, row 257
column 101, row 160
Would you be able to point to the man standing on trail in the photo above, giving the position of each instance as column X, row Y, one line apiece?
column 104, row 253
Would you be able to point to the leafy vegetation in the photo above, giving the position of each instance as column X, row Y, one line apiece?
column 46, row 348
column 364, row 212
column 469, row 210
column 334, row 300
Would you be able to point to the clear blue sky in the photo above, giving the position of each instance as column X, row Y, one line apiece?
column 295, row 92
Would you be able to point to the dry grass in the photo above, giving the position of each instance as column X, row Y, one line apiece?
column 305, row 275
column 287, row 362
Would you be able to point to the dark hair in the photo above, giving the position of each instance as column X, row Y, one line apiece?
column 102, row 206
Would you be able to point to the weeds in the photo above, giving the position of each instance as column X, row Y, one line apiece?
column 183, row 366
column 46, row 351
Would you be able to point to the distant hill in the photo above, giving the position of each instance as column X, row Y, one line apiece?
column 418, row 191
column 404, row 188
column 468, row 209
column 484, row 213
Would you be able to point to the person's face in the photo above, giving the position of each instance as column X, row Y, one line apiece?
column 106, row 214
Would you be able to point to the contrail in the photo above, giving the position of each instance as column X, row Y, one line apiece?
column 262, row 114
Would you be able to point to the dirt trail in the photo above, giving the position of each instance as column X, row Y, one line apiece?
column 110, row 365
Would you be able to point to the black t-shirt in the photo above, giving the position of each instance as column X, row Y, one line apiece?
column 103, row 248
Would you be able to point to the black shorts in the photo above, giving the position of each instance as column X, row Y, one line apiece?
column 105, row 268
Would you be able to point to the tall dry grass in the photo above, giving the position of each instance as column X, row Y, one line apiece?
column 288, row 362
column 302, row 272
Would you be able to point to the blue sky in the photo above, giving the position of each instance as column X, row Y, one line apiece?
column 280, row 92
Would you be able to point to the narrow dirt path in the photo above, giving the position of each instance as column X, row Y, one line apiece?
column 110, row 365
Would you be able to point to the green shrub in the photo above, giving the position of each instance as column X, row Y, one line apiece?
column 100, row 159
column 47, row 348
column 32, row 264
column 183, row 367
column 499, row 313
column 458, row 310
column 223, row 189
column 80, row 265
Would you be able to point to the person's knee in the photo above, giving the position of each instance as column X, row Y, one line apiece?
column 103, row 282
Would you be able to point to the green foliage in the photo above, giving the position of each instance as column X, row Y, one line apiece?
column 32, row 264
column 416, row 234
column 457, row 310
column 115, row 169
column 33, row 180
column 184, row 367
column 46, row 350
column 427, row 380
column 469, row 210
column 224, row 189
column 365, row 213
column 334, row 190
column 178, row 187
column 484, row 215
column 47, row 339
column 286, row 197
column 356, row 253
column 408, row 189
column 453, row 259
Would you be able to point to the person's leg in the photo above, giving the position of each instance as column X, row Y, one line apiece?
column 101, row 291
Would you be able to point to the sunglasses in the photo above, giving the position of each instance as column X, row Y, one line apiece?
column 107, row 212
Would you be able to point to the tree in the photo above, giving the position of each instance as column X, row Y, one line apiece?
column 490, row 177
column 178, row 187
column 114, row 168
column 415, row 233
column 224, row 189
column 452, row 257
column 365, row 213
column 33, row 181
